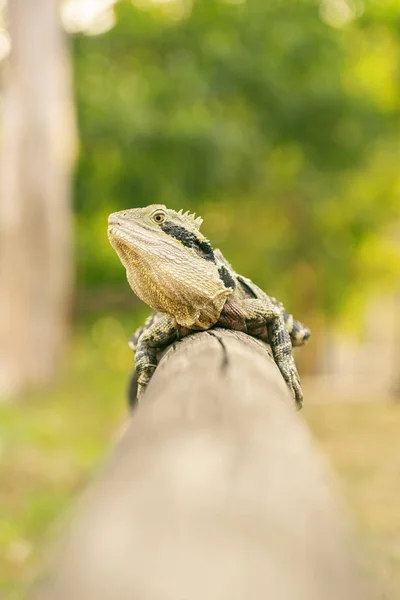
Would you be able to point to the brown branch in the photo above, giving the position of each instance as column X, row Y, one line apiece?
column 214, row 492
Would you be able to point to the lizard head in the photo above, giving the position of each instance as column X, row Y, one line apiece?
column 170, row 265
column 155, row 230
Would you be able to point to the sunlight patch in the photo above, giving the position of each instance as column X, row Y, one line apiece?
column 91, row 17
column 338, row 13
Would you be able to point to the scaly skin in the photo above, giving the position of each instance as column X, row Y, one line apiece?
column 172, row 267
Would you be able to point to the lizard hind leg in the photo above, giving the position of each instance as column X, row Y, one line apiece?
column 300, row 334
column 264, row 312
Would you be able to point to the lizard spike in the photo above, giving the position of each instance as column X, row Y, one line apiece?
column 180, row 212
column 198, row 221
column 186, row 214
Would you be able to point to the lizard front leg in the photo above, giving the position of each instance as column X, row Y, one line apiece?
column 156, row 334
column 263, row 319
column 133, row 340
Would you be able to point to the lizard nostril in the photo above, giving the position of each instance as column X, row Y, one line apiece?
column 113, row 220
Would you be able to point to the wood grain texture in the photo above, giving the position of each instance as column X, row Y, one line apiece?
column 214, row 492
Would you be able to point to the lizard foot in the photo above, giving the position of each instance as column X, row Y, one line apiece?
column 143, row 380
column 292, row 379
column 141, row 388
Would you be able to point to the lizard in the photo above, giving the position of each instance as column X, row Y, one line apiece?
column 172, row 267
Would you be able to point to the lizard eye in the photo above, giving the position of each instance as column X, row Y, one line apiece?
column 158, row 217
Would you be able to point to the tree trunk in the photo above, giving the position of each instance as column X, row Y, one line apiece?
column 37, row 148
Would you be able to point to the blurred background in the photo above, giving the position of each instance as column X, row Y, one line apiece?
column 278, row 122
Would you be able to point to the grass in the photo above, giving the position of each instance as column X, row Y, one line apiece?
column 362, row 443
column 50, row 443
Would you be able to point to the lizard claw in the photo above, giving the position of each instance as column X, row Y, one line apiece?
column 292, row 379
column 297, row 392
column 141, row 388
column 144, row 380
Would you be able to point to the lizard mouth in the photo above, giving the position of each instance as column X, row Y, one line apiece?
column 130, row 244
column 117, row 232
column 120, row 239
column 114, row 230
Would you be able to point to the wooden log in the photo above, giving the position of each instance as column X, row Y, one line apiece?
column 214, row 492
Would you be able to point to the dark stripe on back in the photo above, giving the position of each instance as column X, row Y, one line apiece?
column 245, row 286
column 189, row 240
column 226, row 277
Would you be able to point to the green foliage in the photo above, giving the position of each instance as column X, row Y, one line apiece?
column 277, row 127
